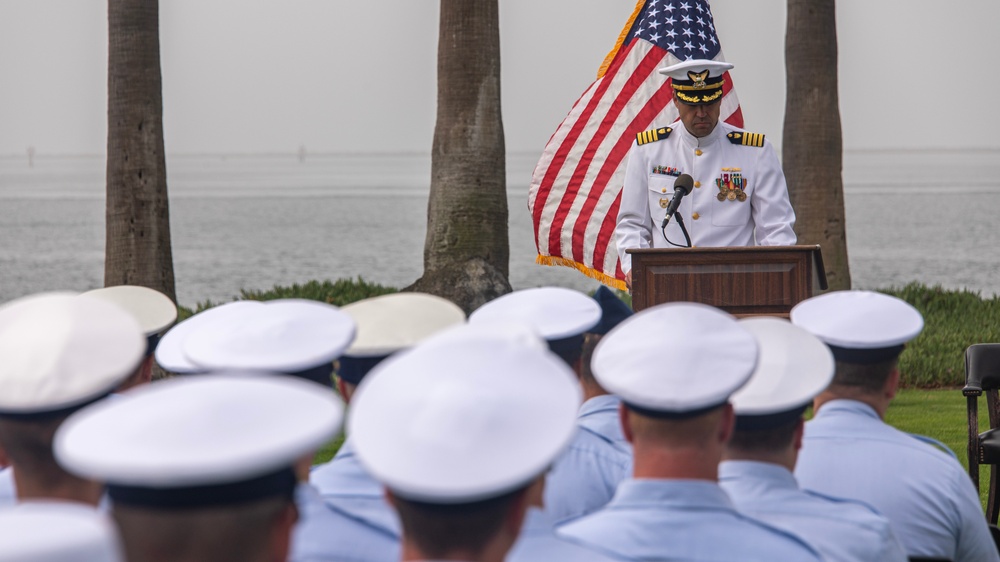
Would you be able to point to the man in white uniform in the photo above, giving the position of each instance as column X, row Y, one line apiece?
column 739, row 196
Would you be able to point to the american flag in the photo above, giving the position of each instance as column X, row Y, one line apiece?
column 576, row 186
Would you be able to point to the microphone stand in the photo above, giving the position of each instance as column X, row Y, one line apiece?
column 684, row 230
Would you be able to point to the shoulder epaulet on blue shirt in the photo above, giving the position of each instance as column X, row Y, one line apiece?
column 653, row 135
column 746, row 138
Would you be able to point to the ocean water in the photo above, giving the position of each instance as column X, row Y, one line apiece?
column 254, row 221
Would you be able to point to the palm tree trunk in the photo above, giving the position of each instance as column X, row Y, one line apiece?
column 137, row 249
column 466, row 252
column 812, row 149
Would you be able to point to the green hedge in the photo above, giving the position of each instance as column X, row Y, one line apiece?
column 953, row 320
column 339, row 293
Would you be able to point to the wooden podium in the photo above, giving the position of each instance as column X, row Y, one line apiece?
column 743, row 281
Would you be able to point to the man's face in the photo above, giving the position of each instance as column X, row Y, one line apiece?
column 699, row 120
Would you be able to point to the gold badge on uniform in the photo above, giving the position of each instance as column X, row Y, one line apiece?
column 664, row 203
column 732, row 185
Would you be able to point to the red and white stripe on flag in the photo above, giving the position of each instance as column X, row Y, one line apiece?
column 576, row 186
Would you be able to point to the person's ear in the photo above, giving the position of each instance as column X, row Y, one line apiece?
column 892, row 383
column 800, row 430
column 626, row 423
column 281, row 532
column 516, row 512
column 727, row 423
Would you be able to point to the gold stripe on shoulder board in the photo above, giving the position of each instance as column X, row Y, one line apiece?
column 746, row 139
column 653, row 135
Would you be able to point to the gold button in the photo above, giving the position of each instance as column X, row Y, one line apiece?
column 697, row 152
column 697, row 184
column 664, row 190
column 696, row 216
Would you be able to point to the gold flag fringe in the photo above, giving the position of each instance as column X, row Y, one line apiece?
column 618, row 45
column 588, row 271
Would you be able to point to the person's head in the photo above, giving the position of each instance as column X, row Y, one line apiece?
column 61, row 351
column 256, row 530
column 674, row 366
column 794, row 366
column 866, row 332
column 202, row 468
column 459, row 430
column 558, row 315
column 698, row 88
column 154, row 311
column 388, row 324
column 43, row 531
column 441, row 530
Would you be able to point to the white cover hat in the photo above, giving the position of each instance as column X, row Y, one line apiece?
column 47, row 531
column 859, row 326
column 179, row 437
column 794, row 366
column 61, row 350
column 388, row 323
column 553, row 312
column 675, row 359
column 154, row 310
column 284, row 335
column 169, row 352
column 469, row 414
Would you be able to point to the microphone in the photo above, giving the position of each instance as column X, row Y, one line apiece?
column 682, row 187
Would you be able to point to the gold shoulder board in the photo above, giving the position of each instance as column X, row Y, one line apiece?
column 746, row 139
column 653, row 135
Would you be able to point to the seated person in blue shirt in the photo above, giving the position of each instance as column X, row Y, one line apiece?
column 676, row 413
column 461, row 448
column 585, row 476
column 793, row 368
column 849, row 452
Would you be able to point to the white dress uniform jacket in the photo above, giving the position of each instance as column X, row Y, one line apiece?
column 933, row 507
column 763, row 216
column 345, row 516
column 584, row 478
column 841, row 530
column 690, row 520
column 538, row 542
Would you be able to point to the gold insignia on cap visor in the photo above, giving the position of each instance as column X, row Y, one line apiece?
column 698, row 78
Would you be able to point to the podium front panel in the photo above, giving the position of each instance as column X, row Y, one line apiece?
column 741, row 281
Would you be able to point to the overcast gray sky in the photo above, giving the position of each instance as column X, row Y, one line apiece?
column 333, row 75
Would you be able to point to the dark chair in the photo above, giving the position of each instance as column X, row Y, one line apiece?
column 982, row 375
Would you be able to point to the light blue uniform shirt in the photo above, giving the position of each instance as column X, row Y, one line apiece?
column 841, row 530
column 584, row 477
column 8, row 494
column 538, row 542
column 690, row 520
column 344, row 515
column 849, row 452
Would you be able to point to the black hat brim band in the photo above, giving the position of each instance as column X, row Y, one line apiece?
column 664, row 415
column 280, row 484
column 353, row 369
column 865, row 356
column 62, row 411
column 570, row 349
column 769, row 421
